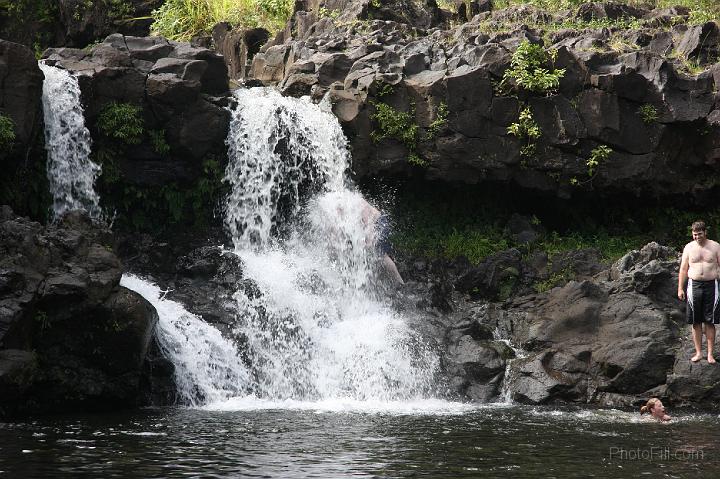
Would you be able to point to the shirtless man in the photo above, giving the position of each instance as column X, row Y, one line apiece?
column 700, row 266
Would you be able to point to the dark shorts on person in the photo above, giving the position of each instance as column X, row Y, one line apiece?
column 382, row 235
column 702, row 301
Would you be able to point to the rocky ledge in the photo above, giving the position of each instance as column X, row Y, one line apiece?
column 70, row 336
column 611, row 339
column 634, row 110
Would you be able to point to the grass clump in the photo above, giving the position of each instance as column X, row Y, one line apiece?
column 7, row 132
column 122, row 121
column 183, row 19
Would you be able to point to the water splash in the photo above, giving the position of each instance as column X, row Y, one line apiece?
column 316, row 323
column 280, row 149
column 70, row 171
column 207, row 365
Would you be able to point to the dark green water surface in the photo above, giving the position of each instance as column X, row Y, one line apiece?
column 507, row 441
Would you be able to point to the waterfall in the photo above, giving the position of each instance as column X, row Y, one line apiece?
column 70, row 171
column 207, row 366
column 506, row 389
column 317, row 325
column 279, row 148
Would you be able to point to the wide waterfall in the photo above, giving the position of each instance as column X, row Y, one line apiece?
column 317, row 326
column 314, row 323
column 71, row 173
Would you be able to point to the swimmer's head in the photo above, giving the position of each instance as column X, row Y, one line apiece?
column 653, row 406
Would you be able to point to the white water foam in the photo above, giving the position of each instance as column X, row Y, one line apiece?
column 277, row 146
column 318, row 326
column 207, row 365
column 416, row 407
column 71, row 173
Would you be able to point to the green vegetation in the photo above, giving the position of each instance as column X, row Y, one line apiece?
column 648, row 113
column 183, row 19
column 598, row 156
column 7, row 133
column 700, row 10
column 157, row 139
column 439, row 122
column 398, row 125
column 555, row 279
column 473, row 226
column 532, row 69
column 527, row 130
column 122, row 121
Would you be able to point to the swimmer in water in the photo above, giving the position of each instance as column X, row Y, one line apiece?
column 656, row 409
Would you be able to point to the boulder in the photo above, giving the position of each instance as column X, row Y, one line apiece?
column 71, row 338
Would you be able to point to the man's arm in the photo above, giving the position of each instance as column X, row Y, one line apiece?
column 682, row 277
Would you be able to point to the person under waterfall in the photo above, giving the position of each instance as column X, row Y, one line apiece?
column 377, row 225
column 699, row 267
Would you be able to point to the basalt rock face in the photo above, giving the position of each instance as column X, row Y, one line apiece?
column 20, row 101
column 613, row 339
column 70, row 337
column 176, row 85
column 445, row 108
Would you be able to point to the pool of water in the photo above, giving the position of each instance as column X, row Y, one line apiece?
column 261, row 439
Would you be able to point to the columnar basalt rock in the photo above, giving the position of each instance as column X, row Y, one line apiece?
column 627, row 89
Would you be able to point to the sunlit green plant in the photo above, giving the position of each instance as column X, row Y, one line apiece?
column 648, row 113
column 183, row 19
column 532, row 69
column 526, row 130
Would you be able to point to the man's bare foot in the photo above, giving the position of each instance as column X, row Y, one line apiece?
column 711, row 360
column 696, row 358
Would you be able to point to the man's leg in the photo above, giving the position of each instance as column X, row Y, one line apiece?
column 697, row 341
column 710, row 336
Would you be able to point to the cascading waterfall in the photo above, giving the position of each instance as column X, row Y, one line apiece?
column 70, row 171
column 317, row 326
column 278, row 148
column 207, row 365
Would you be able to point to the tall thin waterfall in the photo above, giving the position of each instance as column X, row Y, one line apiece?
column 70, row 171
column 316, row 325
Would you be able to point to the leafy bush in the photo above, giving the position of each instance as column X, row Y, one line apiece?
column 183, row 19
column 527, row 130
column 598, row 156
column 532, row 69
column 399, row 125
column 122, row 121
column 7, row 132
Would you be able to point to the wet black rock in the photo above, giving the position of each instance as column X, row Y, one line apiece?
column 611, row 339
column 71, row 338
